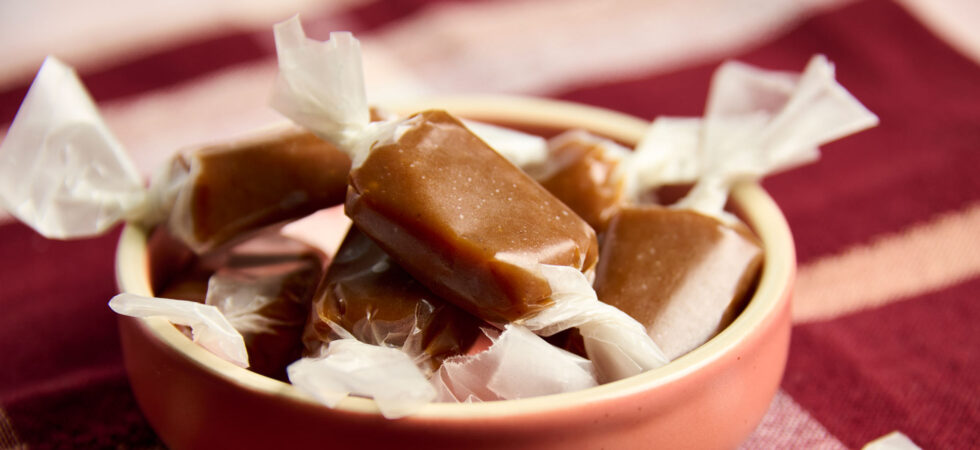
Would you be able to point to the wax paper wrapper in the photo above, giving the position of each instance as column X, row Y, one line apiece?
column 350, row 367
column 616, row 343
column 62, row 171
column 596, row 176
column 268, row 301
column 759, row 122
column 321, row 87
column 518, row 364
column 369, row 295
column 209, row 327
column 667, row 154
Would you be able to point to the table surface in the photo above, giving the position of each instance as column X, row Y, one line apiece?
column 886, row 224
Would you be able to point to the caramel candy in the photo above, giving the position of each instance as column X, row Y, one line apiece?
column 268, row 302
column 682, row 274
column 464, row 221
column 264, row 287
column 240, row 187
column 372, row 298
column 582, row 170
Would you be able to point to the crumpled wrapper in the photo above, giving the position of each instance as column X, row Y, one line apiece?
column 518, row 364
column 321, row 87
column 368, row 295
column 209, row 327
column 350, row 367
column 268, row 302
column 616, row 343
column 760, row 122
column 62, row 171
column 666, row 154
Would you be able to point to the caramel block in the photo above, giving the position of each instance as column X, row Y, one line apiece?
column 683, row 275
column 464, row 221
column 240, row 187
column 370, row 296
column 581, row 172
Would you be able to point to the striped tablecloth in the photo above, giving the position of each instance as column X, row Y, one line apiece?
column 887, row 224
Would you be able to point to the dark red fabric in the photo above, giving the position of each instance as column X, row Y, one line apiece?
column 100, row 413
column 55, row 320
column 912, row 366
column 62, row 383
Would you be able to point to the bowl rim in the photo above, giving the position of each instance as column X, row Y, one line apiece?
column 759, row 209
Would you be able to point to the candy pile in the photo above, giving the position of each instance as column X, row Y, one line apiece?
column 481, row 263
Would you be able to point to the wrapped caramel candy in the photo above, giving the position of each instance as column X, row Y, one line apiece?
column 596, row 176
column 457, row 216
column 517, row 364
column 231, row 189
column 374, row 300
column 263, row 287
column 372, row 322
column 268, row 302
column 583, row 171
column 684, row 271
column 682, row 274
column 464, row 221
column 65, row 174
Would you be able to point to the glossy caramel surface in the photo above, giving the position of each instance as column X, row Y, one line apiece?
column 240, row 188
column 464, row 221
column 683, row 275
column 580, row 173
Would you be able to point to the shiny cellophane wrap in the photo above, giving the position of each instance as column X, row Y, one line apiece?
column 371, row 297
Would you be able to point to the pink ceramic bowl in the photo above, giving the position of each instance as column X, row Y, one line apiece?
column 712, row 397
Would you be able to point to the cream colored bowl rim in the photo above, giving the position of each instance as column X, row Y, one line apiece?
column 759, row 209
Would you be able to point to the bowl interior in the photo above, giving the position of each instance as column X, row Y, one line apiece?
column 754, row 204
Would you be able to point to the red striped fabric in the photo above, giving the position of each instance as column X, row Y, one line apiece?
column 913, row 366
column 183, row 63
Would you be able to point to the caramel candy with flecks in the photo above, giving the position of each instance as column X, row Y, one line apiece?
column 683, row 275
column 370, row 296
column 464, row 221
column 581, row 170
column 240, row 187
